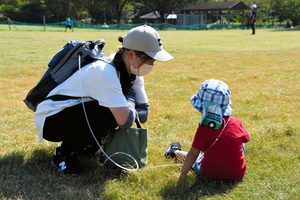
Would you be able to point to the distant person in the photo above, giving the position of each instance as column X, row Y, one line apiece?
column 288, row 25
column 223, row 148
column 68, row 24
column 253, row 18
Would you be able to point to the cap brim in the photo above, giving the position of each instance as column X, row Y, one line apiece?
column 161, row 56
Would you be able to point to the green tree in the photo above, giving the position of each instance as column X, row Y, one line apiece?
column 10, row 8
column 33, row 11
column 284, row 10
column 117, row 7
column 58, row 10
column 293, row 11
column 163, row 7
column 139, row 10
column 93, row 7
column 9, row 2
column 129, row 13
column 10, row 11
column 277, row 10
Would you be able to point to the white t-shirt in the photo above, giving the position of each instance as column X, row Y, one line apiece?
column 98, row 81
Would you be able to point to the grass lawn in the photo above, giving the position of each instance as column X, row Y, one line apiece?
column 262, row 71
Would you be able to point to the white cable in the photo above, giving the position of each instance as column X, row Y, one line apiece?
column 109, row 157
column 88, row 123
column 225, row 124
column 180, row 165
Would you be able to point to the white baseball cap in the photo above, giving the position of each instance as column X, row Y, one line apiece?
column 146, row 39
column 254, row 6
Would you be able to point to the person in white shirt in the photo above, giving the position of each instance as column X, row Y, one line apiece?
column 111, row 89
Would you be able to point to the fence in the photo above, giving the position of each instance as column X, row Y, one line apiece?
column 60, row 26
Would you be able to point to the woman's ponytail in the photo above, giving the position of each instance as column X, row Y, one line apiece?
column 120, row 39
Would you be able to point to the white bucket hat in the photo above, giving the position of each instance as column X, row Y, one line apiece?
column 254, row 6
column 213, row 91
column 146, row 39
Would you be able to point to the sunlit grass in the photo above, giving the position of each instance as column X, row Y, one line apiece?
column 262, row 71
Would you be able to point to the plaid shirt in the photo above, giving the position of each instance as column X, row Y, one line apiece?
column 214, row 91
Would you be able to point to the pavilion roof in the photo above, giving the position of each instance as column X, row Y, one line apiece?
column 226, row 5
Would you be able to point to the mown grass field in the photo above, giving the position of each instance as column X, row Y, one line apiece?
column 262, row 71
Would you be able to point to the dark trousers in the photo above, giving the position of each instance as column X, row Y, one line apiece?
column 70, row 126
column 68, row 26
column 253, row 28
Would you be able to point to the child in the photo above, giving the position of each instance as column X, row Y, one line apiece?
column 68, row 24
column 223, row 148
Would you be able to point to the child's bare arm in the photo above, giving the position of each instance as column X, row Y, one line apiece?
column 189, row 161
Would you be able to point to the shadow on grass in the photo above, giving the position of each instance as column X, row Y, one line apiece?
column 197, row 187
column 34, row 177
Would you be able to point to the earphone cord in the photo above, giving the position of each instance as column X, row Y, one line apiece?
column 108, row 157
column 225, row 124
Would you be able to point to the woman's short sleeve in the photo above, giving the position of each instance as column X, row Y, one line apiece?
column 102, row 83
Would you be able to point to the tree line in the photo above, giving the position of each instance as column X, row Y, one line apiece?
column 129, row 11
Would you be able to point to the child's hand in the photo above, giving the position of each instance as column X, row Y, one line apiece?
column 182, row 176
column 182, row 180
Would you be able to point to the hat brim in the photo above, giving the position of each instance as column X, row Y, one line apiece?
column 195, row 101
column 161, row 56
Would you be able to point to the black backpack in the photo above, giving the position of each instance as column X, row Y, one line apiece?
column 63, row 65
